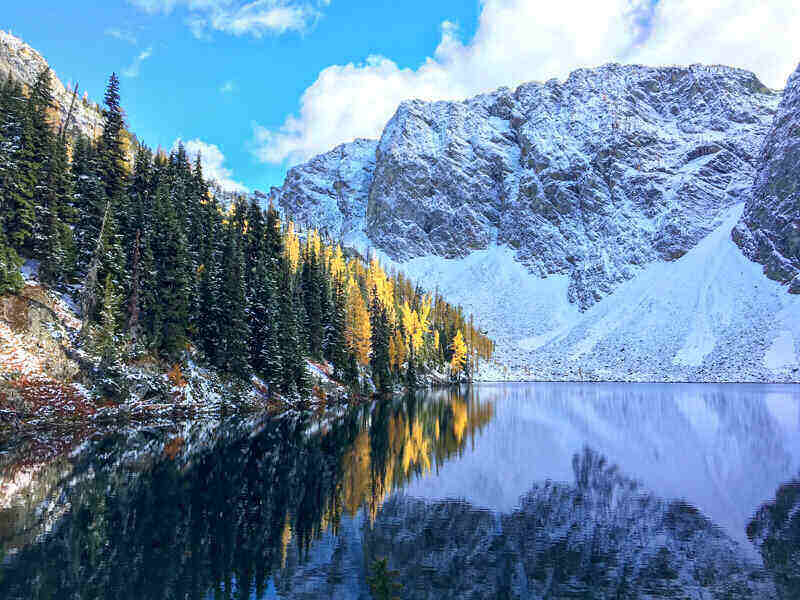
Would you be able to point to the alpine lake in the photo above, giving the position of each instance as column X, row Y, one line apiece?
column 494, row 491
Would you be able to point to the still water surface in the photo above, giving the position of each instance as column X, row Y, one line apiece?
column 494, row 491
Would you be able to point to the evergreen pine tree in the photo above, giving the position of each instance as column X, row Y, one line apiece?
column 28, row 159
column 56, row 248
column 89, row 203
column 264, row 355
column 10, row 277
column 106, row 341
column 382, row 582
column 170, row 254
column 112, row 144
column 293, row 376
column 314, row 299
column 411, row 370
column 209, row 316
column 10, row 131
column 379, row 357
column 335, row 340
column 235, row 332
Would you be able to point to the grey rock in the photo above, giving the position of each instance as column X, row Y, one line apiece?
column 768, row 232
column 330, row 191
column 592, row 177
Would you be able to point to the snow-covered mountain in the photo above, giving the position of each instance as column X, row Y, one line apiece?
column 586, row 223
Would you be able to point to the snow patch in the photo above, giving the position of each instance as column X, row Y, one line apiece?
column 30, row 270
column 710, row 315
column 781, row 354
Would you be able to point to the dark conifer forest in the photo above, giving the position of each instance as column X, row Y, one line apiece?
column 160, row 263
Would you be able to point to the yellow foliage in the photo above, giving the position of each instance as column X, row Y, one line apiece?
column 397, row 349
column 459, row 353
column 416, row 449
column 313, row 243
column 286, row 537
column 416, row 324
column 358, row 332
column 460, row 419
column 292, row 243
column 337, row 266
column 384, row 287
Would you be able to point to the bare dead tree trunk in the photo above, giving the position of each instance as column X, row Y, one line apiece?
column 88, row 297
column 65, row 125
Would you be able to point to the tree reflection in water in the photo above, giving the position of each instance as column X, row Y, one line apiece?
column 259, row 507
column 775, row 529
column 215, row 510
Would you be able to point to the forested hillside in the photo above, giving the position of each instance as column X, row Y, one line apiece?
column 162, row 267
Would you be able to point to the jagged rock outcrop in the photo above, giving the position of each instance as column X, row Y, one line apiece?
column 591, row 177
column 24, row 64
column 330, row 192
column 769, row 231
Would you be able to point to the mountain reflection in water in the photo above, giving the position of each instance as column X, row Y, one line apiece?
column 497, row 491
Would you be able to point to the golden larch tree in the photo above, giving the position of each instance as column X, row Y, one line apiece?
column 292, row 244
column 358, row 331
column 459, row 353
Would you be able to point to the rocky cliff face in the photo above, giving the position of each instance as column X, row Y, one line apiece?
column 24, row 64
column 330, row 192
column 591, row 177
column 769, row 231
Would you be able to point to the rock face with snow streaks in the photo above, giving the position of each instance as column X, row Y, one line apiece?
column 769, row 232
column 588, row 223
column 330, row 191
column 613, row 168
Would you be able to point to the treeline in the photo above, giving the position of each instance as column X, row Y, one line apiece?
column 160, row 265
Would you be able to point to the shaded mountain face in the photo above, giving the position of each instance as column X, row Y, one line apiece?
column 24, row 64
column 768, row 232
column 613, row 168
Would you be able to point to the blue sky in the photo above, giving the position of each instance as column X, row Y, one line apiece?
column 269, row 83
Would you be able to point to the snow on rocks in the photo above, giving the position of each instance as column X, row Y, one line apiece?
column 767, row 232
column 24, row 64
column 587, row 223
column 589, row 178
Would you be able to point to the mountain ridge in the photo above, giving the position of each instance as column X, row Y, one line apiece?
column 578, row 219
column 641, row 159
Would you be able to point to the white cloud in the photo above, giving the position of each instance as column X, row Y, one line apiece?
column 524, row 40
column 759, row 36
column 213, row 162
column 121, row 34
column 255, row 18
column 228, row 87
column 136, row 66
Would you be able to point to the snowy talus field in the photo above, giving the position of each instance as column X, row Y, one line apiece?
column 586, row 223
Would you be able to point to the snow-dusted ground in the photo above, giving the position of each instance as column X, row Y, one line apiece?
column 711, row 315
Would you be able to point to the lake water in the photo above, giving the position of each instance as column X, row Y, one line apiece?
column 495, row 491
